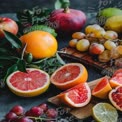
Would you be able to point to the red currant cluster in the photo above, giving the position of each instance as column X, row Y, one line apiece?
column 40, row 113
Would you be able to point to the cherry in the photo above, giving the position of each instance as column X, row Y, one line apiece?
column 51, row 113
column 24, row 119
column 36, row 111
column 43, row 106
column 11, row 116
column 18, row 110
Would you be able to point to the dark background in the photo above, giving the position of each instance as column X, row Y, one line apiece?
column 11, row 6
column 8, row 7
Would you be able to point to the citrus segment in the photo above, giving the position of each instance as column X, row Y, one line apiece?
column 115, row 96
column 40, row 43
column 78, row 96
column 116, row 79
column 32, row 83
column 104, row 112
column 102, row 89
column 69, row 75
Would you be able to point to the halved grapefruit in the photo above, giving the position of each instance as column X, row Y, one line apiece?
column 32, row 83
column 115, row 96
column 77, row 96
column 116, row 79
column 69, row 75
column 102, row 89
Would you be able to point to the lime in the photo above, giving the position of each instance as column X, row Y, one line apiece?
column 105, row 112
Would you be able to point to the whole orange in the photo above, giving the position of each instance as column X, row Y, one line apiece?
column 40, row 43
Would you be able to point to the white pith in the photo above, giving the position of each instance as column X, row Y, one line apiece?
column 63, row 84
column 29, row 91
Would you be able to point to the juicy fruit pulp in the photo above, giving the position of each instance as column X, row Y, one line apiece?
column 69, row 75
column 102, row 89
column 104, row 112
column 68, row 22
column 115, row 96
column 116, row 79
column 40, row 44
column 32, row 83
column 78, row 96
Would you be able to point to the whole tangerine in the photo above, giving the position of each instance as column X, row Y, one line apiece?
column 40, row 44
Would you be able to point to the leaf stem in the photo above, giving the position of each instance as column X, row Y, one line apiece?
column 23, row 51
column 60, row 59
column 40, row 118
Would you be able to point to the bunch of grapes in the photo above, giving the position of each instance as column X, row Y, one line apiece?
column 40, row 113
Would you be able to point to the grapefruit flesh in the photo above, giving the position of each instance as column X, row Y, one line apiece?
column 102, row 89
column 32, row 83
column 69, row 75
column 115, row 96
column 116, row 79
column 78, row 96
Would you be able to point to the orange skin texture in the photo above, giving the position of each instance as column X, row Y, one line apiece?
column 81, row 79
column 41, row 44
column 8, row 25
column 96, row 48
column 103, row 92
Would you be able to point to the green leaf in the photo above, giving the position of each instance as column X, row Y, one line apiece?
column 10, row 70
column 5, row 63
column 14, row 40
column 62, row 4
column 41, row 27
column 6, row 57
column 21, row 64
column 60, row 59
column 4, row 52
column 58, row 4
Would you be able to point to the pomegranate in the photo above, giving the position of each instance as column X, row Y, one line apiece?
column 67, row 21
column 115, row 96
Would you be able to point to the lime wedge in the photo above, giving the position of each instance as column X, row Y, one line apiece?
column 105, row 112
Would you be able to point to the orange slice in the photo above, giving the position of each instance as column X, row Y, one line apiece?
column 32, row 83
column 69, row 75
column 78, row 96
column 102, row 89
column 116, row 79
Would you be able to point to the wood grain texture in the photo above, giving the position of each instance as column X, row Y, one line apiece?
column 87, row 59
column 82, row 112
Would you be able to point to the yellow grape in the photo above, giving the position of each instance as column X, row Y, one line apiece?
column 92, row 28
column 82, row 45
column 78, row 35
column 111, row 35
column 73, row 42
column 99, row 34
column 109, row 45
